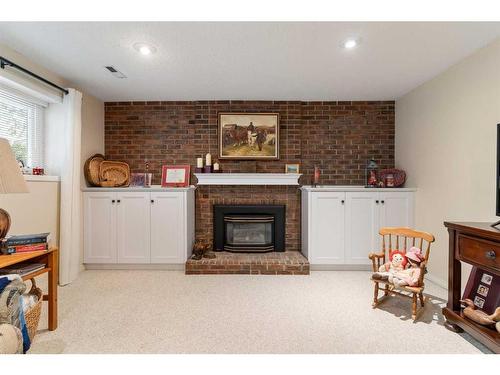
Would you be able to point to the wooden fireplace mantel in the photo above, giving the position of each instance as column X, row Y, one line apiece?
column 248, row 178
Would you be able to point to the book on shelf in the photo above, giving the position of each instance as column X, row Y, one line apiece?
column 27, row 239
column 22, row 269
column 28, row 248
column 23, row 249
column 25, row 243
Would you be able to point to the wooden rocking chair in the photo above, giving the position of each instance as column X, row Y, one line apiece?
column 401, row 239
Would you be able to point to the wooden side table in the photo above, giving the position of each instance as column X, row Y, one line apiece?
column 477, row 244
column 51, row 260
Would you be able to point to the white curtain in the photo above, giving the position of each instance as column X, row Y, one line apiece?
column 62, row 155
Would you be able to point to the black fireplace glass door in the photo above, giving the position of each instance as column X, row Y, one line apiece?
column 247, row 232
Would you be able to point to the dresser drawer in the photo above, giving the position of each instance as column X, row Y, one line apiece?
column 480, row 252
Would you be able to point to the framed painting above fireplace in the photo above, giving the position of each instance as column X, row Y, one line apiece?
column 248, row 136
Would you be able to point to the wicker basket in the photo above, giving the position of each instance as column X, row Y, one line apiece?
column 32, row 316
column 91, row 169
column 114, row 173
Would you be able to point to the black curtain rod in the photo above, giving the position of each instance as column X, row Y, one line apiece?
column 4, row 62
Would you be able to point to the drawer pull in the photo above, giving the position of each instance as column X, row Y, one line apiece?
column 491, row 254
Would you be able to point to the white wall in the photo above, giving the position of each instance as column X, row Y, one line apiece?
column 36, row 211
column 92, row 129
column 446, row 141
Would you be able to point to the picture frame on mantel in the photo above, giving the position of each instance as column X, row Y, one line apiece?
column 248, row 136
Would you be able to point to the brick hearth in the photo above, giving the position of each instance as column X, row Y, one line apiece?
column 275, row 263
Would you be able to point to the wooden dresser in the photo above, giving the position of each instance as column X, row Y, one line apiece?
column 479, row 245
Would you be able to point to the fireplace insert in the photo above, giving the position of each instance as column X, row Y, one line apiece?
column 249, row 228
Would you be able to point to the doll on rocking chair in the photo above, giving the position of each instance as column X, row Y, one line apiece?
column 410, row 276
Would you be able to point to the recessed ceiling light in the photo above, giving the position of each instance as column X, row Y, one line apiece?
column 144, row 48
column 350, row 43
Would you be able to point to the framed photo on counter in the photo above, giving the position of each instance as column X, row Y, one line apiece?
column 175, row 175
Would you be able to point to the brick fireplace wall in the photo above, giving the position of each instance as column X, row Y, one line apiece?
column 338, row 137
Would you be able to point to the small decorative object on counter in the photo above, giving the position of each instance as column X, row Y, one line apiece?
column 371, row 173
column 216, row 168
column 398, row 176
column 389, row 180
column 208, row 160
column 207, row 169
column 37, row 171
column 148, row 178
column 316, row 176
column 137, row 179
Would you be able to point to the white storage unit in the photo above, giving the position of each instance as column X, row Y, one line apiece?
column 138, row 225
column 340, row 224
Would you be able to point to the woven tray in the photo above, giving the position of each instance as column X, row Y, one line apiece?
column 91, row 169
column 32, row 316
column 114, row 173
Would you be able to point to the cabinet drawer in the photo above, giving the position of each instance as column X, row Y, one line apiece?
column 480, row 252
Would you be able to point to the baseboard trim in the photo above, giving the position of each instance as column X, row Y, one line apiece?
column 340, row 267
column 438, row 281
column 145, row 267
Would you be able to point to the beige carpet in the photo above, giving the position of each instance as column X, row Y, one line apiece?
column 169, row 312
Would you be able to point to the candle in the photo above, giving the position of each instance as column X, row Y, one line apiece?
column 208, row 160
column 316, row 176
column 216, row 166
column 199, row 162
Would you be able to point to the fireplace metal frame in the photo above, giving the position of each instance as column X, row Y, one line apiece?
column 277, row 211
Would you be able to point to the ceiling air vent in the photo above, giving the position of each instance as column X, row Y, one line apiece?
column 116, row 73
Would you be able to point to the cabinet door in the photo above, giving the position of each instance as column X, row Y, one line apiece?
column 168, row 230
column 133, row 226
column 362, row 225
column 99, row 235
column 327, row 228
column 396, row 209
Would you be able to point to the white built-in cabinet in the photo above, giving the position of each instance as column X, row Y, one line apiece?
column 340, row 227
column 135, row 226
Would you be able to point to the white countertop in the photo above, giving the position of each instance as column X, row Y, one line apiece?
column 153, row 188
column 351, row 188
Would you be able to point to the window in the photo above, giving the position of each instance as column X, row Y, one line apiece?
column 21, row 123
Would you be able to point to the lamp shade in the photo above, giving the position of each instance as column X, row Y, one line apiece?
column 11, row 178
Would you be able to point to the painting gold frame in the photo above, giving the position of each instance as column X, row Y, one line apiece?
column 245, row 117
